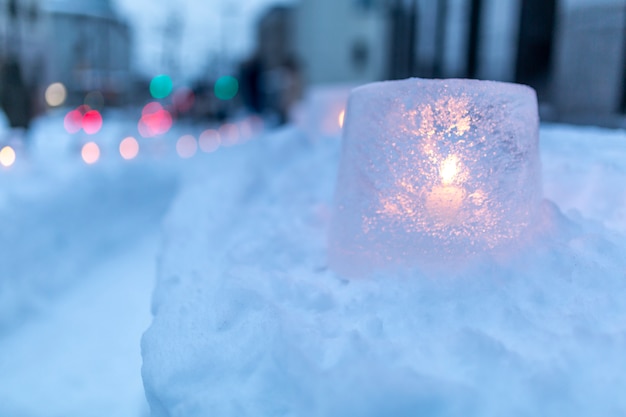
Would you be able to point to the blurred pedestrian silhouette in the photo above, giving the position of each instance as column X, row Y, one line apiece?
column 271, row 80
column 15, row 99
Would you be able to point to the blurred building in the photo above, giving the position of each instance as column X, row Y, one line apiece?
column 87, row 48
column 82, row 44
column 271, row 76
column 590, row 62
column 21, row 35
column 573, row 52
column 342, row 41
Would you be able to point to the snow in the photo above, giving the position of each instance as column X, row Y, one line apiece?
column 248, row 320
column 55, row 208
column 83, row 358
column 434, row 170
column 78, row 247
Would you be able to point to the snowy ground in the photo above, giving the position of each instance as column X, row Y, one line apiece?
column 248, row 320
column 80, row 356
column 78, row 246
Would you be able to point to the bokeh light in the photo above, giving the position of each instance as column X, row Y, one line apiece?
column 186, row 146
column 90, row 153
column 7, row 156
column 129, row 148
column 151, row 107
column 155, row 120
column 73, row 121
column 92, row 122
column 229, row 134
column 209, row 140
column 226, row 87
column 161, row 86
column 55, row 94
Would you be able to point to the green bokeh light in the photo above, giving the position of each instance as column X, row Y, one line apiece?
column 226, row 87
column 161, row 86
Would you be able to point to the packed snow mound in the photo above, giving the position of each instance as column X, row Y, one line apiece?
column 249, row 320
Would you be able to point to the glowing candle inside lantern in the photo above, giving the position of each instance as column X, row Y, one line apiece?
column 340, row 118
column 434, row 171
column 449, row 169
column 445, row 200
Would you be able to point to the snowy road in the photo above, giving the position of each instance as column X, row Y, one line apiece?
column 81, row 356
column 78, row 248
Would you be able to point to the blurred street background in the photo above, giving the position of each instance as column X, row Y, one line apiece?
column 104, row 104
column 212, row 61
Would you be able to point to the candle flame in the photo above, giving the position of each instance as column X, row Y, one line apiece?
column 340, row 118
column 449, row 169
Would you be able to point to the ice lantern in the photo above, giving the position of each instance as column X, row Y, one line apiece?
column 434, row 171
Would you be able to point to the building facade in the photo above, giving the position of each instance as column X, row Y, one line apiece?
column 90, row 48
column 573, row 52
column 22, row 35
column 342, row 41
column 82, row 44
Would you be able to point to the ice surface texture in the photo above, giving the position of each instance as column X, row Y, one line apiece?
column 434, row 170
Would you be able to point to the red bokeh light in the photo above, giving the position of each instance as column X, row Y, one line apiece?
column 92, row 122
column 73, row 121
column 154, row 120
column 151, row 108
column 83, row 117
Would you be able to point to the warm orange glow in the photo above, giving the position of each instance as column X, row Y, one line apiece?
column 449, row 170
column 209, row 140
column 90, row 152
column 342, row 115
column 7, row 156
column 444, row 203
column 442, row 199
column 129, row 148
column 186, row 146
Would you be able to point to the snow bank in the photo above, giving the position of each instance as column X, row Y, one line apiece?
column 54, row 224
column 249, row 321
